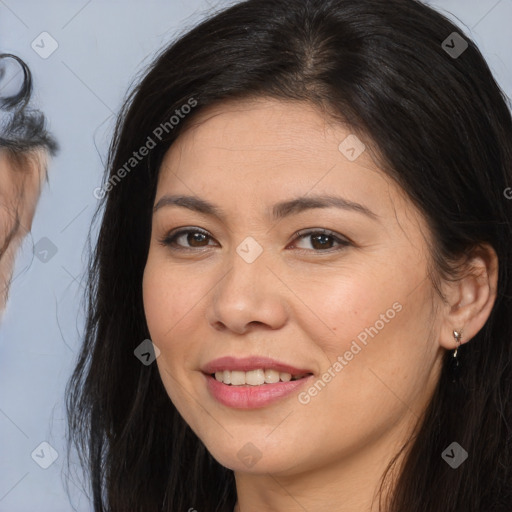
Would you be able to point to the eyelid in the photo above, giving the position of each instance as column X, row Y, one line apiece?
column 309, row 231
column 175, row 233
column 342, row 240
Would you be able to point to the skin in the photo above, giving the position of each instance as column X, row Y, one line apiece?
column 299, row 303
column 19, row 193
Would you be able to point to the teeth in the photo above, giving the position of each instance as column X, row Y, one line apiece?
column 237, row 378
column 285, row 377
column 271, row 376
column 254, row 377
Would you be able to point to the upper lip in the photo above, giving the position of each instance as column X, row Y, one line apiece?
column 247, row 364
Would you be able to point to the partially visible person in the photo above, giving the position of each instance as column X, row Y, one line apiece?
column 25, row 146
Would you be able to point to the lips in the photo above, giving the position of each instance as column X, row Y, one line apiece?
column 254, row 393
column 253, row 397
column 248, row 364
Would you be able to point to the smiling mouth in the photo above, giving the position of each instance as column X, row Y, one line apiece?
column 257, row 377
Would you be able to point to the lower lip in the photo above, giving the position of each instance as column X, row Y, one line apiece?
column 252, row 397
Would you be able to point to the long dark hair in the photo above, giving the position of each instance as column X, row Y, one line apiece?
column 443, row 130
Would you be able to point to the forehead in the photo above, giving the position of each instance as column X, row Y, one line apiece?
column 267, row 139
column 264, row 125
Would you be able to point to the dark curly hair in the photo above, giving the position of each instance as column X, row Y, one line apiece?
column 22, row 129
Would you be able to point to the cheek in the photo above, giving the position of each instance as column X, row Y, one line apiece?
column 174, row 309
column 342, row 304
column 378, row 328
column 167, row 298
column 167, row 308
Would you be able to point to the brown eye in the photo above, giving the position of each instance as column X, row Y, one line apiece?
column 322, row 239
column 190, row 238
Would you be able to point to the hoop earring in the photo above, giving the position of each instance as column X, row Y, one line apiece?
column 455, row 361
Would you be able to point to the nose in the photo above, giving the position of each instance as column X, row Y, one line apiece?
column 248, row 295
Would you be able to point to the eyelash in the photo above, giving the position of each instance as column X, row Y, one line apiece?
column 169, row 240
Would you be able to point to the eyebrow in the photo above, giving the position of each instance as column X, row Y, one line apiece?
column 279, row 210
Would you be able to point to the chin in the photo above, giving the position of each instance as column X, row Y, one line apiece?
column 257, row 456
column 257, row 464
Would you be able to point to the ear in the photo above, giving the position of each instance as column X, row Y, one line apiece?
column 471, row 298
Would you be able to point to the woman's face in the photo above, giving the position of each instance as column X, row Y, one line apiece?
column 351, row 307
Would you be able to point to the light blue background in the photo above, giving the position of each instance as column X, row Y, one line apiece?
column 102, row 45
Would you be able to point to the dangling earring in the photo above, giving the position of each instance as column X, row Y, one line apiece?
column 455, row 362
